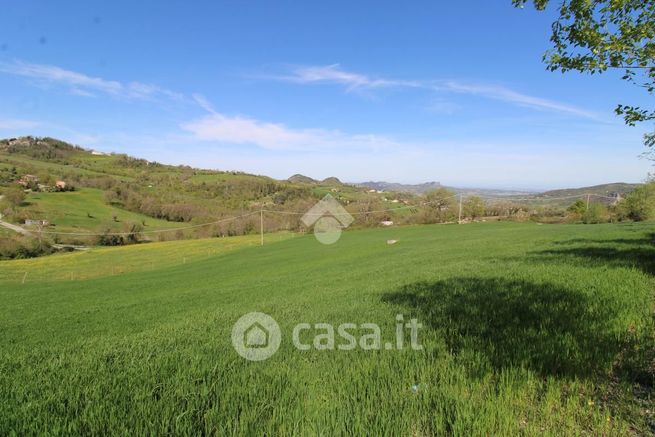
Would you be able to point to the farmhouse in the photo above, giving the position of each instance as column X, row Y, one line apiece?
column 27, row 180
column 32, row 182
column 31, row 222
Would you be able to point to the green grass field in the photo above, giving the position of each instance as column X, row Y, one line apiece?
column 70, row 211
column 528, row 330
column 108, row 261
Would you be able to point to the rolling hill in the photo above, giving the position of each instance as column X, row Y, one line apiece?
column 602, row 190
column 115, row 190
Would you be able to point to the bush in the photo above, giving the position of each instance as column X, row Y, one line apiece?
column 15, row 196
column 130, row 235
column 640, row 204
column 21, row 247
column 596, row 213
column 474, row 207
column 577, row 209
column 108, row 238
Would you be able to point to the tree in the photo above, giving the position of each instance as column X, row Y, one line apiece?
column 441, row 204
column 132, row 233
column 107, row 237
column 15, row 196
column 593, row 36
column 474, row 207
column 640, row 204
column 577, row 209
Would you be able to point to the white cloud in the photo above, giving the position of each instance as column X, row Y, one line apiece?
column 275, row 136
column 85, row 85
column 241, row 130
column 333, row 74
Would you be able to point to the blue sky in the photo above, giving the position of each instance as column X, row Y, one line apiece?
column 397, row 91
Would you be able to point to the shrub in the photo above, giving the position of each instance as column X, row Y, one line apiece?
column 15, row 196
column 640, row 204
column 20, row 247
column 474, row 207
column 596, row 213
column 577, row 209
column 107, row 237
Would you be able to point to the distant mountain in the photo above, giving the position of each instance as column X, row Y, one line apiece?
column 331, row 181
column 602, row 190
column 302, row 179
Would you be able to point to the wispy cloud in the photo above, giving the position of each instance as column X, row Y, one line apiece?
column 204, row 103
column 507, row 95
column 334, row 74
column 85, row 85
column 276, row 136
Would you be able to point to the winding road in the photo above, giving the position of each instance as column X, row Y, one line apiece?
column 15, row 228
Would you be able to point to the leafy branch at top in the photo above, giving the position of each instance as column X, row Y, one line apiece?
column 592, row 36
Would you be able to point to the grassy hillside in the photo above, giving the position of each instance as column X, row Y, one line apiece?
column 528, row 330
column 84, row 210
column 136, row 190
column 601, row 190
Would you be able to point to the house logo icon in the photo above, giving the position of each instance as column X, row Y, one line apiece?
column 328, row 218
column 256, row 336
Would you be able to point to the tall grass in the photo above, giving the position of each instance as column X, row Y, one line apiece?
column 100, row 262
column 528, row 330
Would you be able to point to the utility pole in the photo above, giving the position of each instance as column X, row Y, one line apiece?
column 459, row 220
column 261, row 225
column 588, row 201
